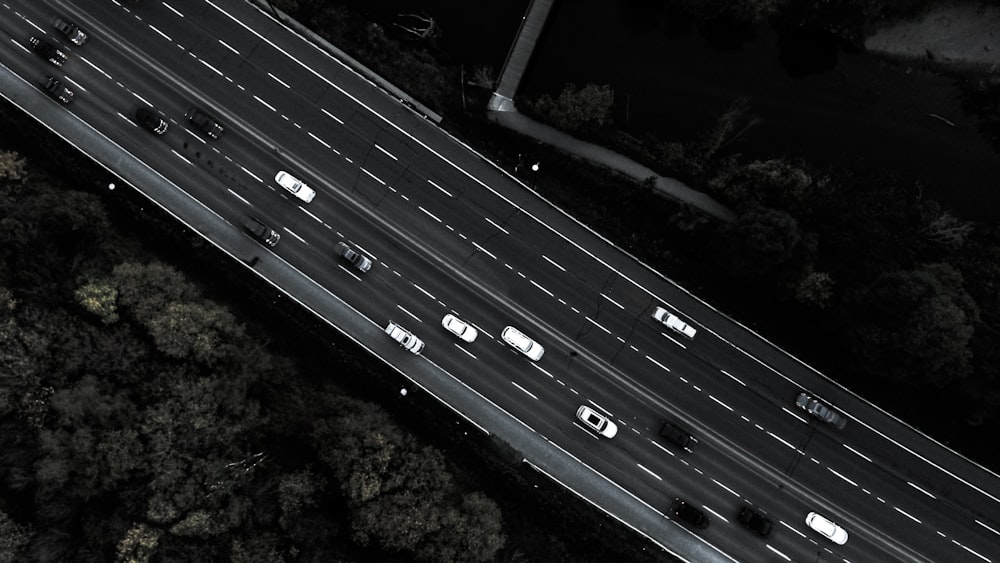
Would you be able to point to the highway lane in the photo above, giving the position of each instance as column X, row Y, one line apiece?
column 524, row 291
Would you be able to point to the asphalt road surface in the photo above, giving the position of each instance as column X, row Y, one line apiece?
column 449, row 232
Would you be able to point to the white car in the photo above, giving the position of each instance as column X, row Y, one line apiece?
column 459, row 328
column 522, row 343
column 404, row 338
column 831, row 531
column 597, row 421
column 294, row 185
column 674, row 322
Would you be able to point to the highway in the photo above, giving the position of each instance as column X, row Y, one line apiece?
column 449, row 232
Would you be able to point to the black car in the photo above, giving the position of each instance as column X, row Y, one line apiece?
column 151, row 120
column 205, row 122
column 260, row 231
column 677, row 435
column 47, row 50
column 358, row 260
column 755, row 521
column 689, row 514
column 56, row 89
column 820, row 410
column 73, row 33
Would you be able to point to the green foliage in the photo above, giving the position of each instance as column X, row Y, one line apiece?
column 147, row 289
column 99, row 298
column 577, row 110
column 14, row 538
column 13, row 167
column 760, row 242
column 915, row 326
column 138, row 545
column 815, row 290
column 204, row 333
column 775, row 183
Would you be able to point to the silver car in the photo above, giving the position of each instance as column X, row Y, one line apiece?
column 295, row 186
column 517, row 340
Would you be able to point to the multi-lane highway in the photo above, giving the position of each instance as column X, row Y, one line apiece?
column 449, row 232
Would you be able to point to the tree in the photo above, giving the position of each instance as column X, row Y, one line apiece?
column 14, row 538
column 204, row 333
column 915, row 326
column 815, row 290
column 99, row 298
column 13, row 167
column 759, row 243
column 138, row 545
column 578, row 110
column 147, row 289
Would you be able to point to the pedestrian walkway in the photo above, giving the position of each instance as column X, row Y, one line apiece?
column 523, row 124
column 503, row 111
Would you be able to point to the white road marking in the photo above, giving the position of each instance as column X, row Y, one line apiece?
column 374, row 177
column 831, row 470
column 782, row 440
column 320, row 141
column 641, row 466
column 228, row 46
column 984, row 558
column 778, row 553
column 350, row 273
column 446, row 192
column 387, row 153
column 409, row 313
column 733, row 377
column 615, row 303
column 172, row 9
column 553, row 262
column 279, row 81
column 95, row 67
column 987, row 527
column 907, row 514
column 732, row 492
column 595, row 323
column 533, row 364
column 265, row 104
column 466, row 351
column 165, row 36
column 536, row 284
column 526, row 392
column 428, row 213
column 212, row 68
column 291, row 232
column 178, row 155
column 717, row 515
column 238, row 196
column 657, row 363
column 483, row 250
column 491, row 222
column 796, row 415
column 868, row 459
column 333, row 117
column 425, row 292
column 720, row 402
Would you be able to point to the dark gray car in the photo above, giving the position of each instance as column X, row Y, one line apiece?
column 260, row 231
column 820, row 410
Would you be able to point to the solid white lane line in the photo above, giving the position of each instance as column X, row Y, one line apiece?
column 97, row 68
column 165, row 36
column 733, row 377
column 970, row 550
column 647, row 470
column 921, row 490
column 526, row 392
column 279, row 81
column 252, row 175
column 782, row 440
column 428, row 213
column 320, row 141
column 732, row 492
column 491, row 222
column 387, row 153
column 228, row 46
column 553, row 262
column 446, row 192
column 172, row 9
column 595, row 323
column 657, row 363
column 374, row 177
column 831, row 470
column 408, row 313
column 536, row 284
column 778, row 553
column 178, row 155
column 613, row 302
column 795, row 414
column 987, row 527
column 534, row 365
column 863, row 456
column 311, row 214
column 466, row 351
column 333, row 117
column 350, row 273
column 717, row 515
column 907, row 514
column 425, row 292
column 720, row 402
column 783, row 523
column 487, row 252
column 263, row 103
